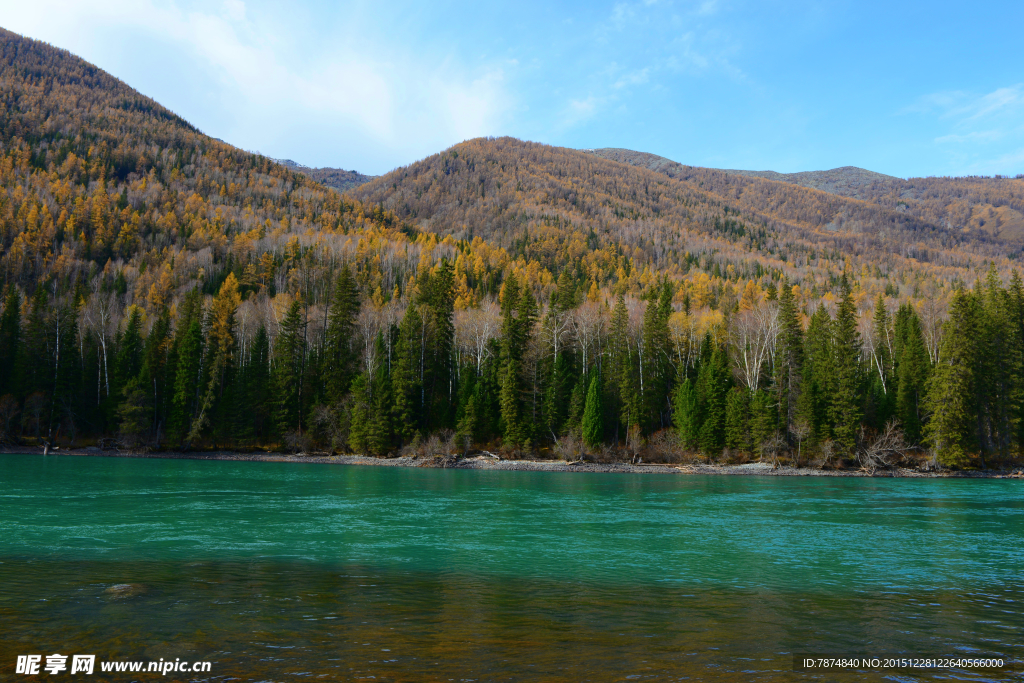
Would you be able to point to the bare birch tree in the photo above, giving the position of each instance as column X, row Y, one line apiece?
column 587, row 322
column 753, row 335
column 474, row 329
column 102, row 315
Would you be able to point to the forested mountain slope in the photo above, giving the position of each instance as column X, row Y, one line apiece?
column 120, row 223
column 560, row 205
column 97, row 176
column 994, row 206
column 164, row 289
column 848, row 181
column 334, row 178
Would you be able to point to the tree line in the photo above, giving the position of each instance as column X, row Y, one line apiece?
column 763, row 378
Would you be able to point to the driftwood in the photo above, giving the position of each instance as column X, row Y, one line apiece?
column 886, row 451
column 449, row 460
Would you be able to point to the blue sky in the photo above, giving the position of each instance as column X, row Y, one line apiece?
column 904, row 88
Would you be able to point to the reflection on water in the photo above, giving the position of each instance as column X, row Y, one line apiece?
column 278, row 572
column 280, row 621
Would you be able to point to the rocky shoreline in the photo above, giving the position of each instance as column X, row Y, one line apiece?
column 492, row 462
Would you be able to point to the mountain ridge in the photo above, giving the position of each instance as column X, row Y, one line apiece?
column 502, row 186
column 970, row 204
column 335, row 178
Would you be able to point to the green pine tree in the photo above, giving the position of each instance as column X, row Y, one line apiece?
column 712, row 387
column 10, row 340
column 514, row 430
column 657, row 371
column 737, row 420
column 593, row 424
column 128, row 360
column 378, row 430
column 187, row 378
column 950, row 398
column 258, row 384
column 341, row 355
column 686, row 413
column 789, row 358
column 557, row 394
column 218, row 393
column 629, row 390
column 881, row 387
column 1015, row 296
column 153, row 378
column 578, row 402
column 405, row 381
column 846, row 397
column 912, row 371
column 762, row 418
column 998, row 373
column 468, row 429
column 288, row 370
column 133, row 414
column 437, row 296
column 67, row 369
column 361, row 408
column 32, row 368
column 519, row 314
column 818, row 377
column 618, row 363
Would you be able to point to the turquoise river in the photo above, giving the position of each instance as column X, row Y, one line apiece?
column 293, row 572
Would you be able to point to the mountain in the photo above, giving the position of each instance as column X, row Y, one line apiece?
column 562, row 206
column 162, row 288
column 973, row 204
column 118, row 217
column 848, row 181
column 335, row 178
column 101, row 181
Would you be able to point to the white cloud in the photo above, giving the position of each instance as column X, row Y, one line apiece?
column 979, row 128
column 622, row 13
column 1010, row 160
column 964, row 107
column 686, row 56
column 349, row 93
column 707, row 7
column 578, row 111
column 1001, row 100
column 973, row 137
column 655, row 43
column 235, row 10
column 638, row 77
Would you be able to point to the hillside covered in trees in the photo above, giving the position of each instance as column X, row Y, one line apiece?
column 334, row 178
column 163, row 289
column 974, row 204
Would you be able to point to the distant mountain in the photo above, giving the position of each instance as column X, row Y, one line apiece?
column 339, row 179
column 991, row 205
column 848, row 181
column 558, row 205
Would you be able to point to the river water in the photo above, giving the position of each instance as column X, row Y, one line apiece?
column 286, row 572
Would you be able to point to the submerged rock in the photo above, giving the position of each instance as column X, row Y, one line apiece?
column 125, row 590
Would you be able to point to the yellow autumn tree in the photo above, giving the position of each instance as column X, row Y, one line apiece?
column 220, row 348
